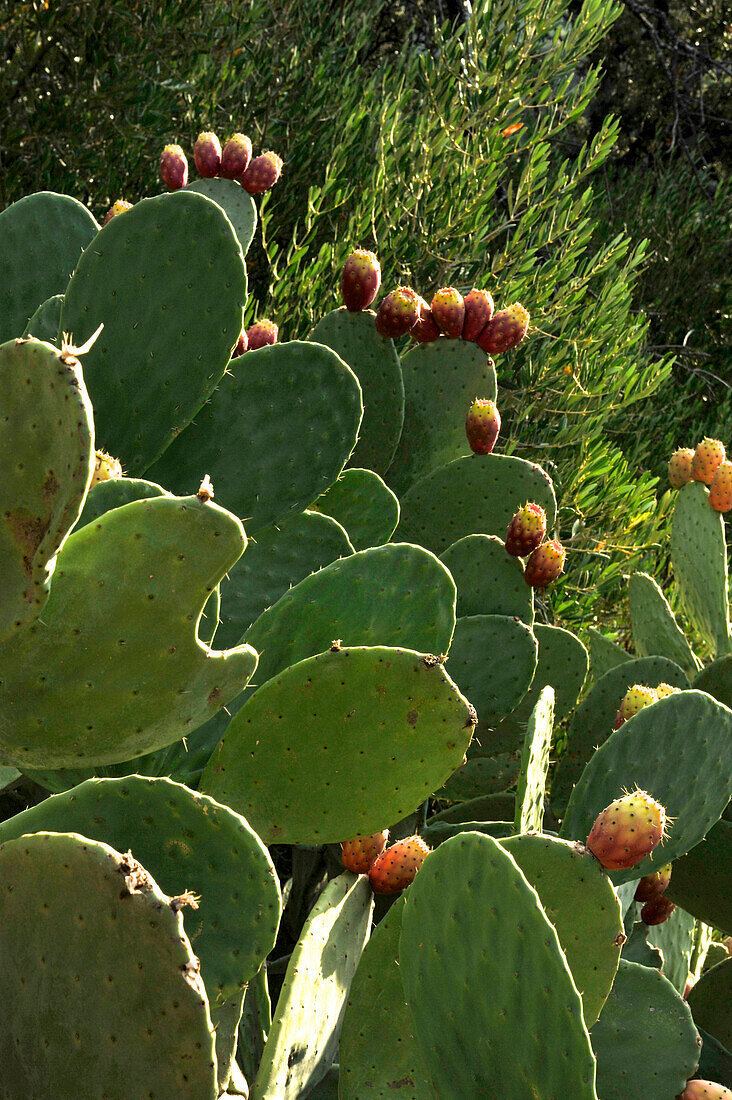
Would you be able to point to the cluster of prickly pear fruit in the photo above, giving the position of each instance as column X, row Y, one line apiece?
column 390, row 870
column 234, row 162
column 707, row 464
column 526, row 538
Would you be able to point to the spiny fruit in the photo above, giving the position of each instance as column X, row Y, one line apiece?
column 652, row 886
column 544, row 564
column 425, row 331
column 207, row 155
column 482, row 425
column 636, row 698
column 448, row 311
column 262, row 173
column 627, row 830
column 235, row 157
column 359, row 854
column 505, row 330
column 478, row 312
column 666, row 689
column 679, row 467
column 705, row 1090
column 360, row 280
column 396, row 867
column 708, row 457
column 173, row 167
column 657, row 910
column 242, row 345
column 261, row 334
column 720, row 488
column 116, row 208
column 398, row 312
column 106, row 468
column 526, row 530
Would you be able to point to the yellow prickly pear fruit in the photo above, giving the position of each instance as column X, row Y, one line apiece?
column 627, row 830
column 679, row 467
column 105, row 468
column 636, row 698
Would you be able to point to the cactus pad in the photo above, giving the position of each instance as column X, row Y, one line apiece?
column 531, row 786
column 239, row 207
column 655, row 630
column 481, row 775
column 361, row 502
column 711, row 1002
column 489, row 581
column 699, row 558
column 702, row 879
column 107, row 495
column 44, row 323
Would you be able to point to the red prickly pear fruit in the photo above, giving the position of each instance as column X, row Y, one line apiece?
column 398, row 312
column 708, row 457
column 235, row 157
column 505, row 330
column 116, row 208
column 544, row 564
column 106, row 468
column 627, row 830
column 207, row 155
column 526, row 531
column 359, row 854
column 482, row 425
column 242, row 345
column 173, row 167
column 705, row 1090
column 360, row 280
column 262, row 173
column 657, row 910
column 679, row 467
column 425, row 331
column 720, row 488
column 653, row 886
column 396, row 867
column 448, row 311
column 262, row 334
column 478, row 312
column 636, row 698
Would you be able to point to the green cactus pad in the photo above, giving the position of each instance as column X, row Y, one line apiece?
column 699, row 559
column 167, row 282
column 489, row 581
column 604, row 654
column 702, row 880
column 655, row 630
column 374, row 361
column 487, row 807
column 531, row 786
column 638, row 950
column 438, row 832
column 107, row 495
column 479, row 493
column 441, row 381
column 340, row 744
column 188, row 842
column 645, row 1041
column 303, row 1039
column 44, row 324
column 277, row 559
column 675, row 940
column 467, row 990
column 580, row 902
column 46, row 458
column 237, row 204
column 678, row 750
column 274, row 436
column 371, row 1069
column 594, row 719
column 254, row 1025
column 396, row 595
column 715, row 1061
column 711, row 1002
column 481, row 775
column 225, row 1018
column 716, row 680
column 105, row 990
column 366, row 507
column 116, row 668
column 42, row 237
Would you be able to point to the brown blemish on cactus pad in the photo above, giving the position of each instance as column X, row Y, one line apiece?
column 412, row 717
column 213, row 696
column 28, row 532
column 136, row 877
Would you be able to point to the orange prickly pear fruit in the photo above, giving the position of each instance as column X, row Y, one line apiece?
column 652, row 886
column 398, row 312
column 705, row 1090
column 708, row 457
column 448, row 311
column 207, row 155
column 425, row 331
column 478, row 312
column 261, row 334
column 720, row 488
column 636, row 698
column 526, row 531
column 173, row 167
column 116, row 208
column 360, row 280
column 235, row 157
column 679, row 467
column 482, row 425
column 505, row 330
column 396, row 867
column 544, row 564
column 262, row 173
column 359, row 854
column 627, row 830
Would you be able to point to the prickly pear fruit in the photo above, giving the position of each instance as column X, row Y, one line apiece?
column 235, row 157
column 262, row 173
column 657, row 910
column 505, row 330
column 426, row 330
column 242, row 345
column 679, row 467
column 448, row 311
column 173, row 167
column 652, row 886
column 666, row 689
column 360, row 280
column 708, row 457
column 544, row 564
column 359, row 854
column 396, row 867
column 526, row 530
column 627, row 830
column 720, row 488
column 482, row 425
column 105, row 468
column 636, row 698
column 705, row 1090
column 398, row 312
column 116, row 208
column 478, row 312
column 262, row 333
column 207, row 155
